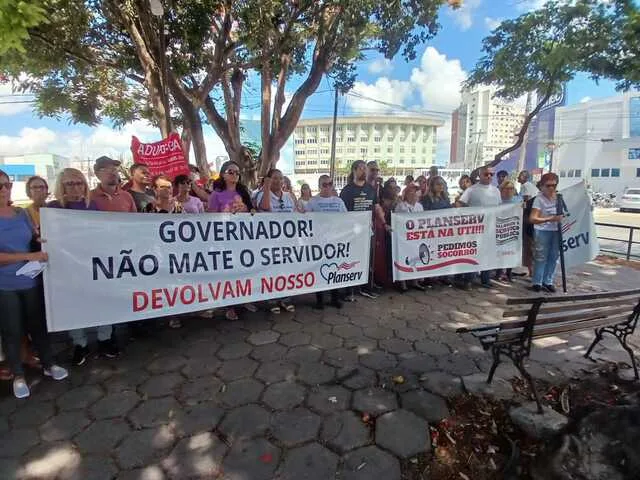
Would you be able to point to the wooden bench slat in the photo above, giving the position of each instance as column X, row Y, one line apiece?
column 578, row 316
column 557, row 308
column 573, row 298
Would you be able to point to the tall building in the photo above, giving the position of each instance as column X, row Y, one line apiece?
column 599, row 141
column 403, row 143
column 482, row 127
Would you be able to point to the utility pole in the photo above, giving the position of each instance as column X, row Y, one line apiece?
column 522, row 157
column 332, row 163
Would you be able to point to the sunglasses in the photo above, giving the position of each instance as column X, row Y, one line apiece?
column 551, row 185
column 37, row 187
column 327, row 184
column 232, row 172
column 72, row 184
column 6, row 185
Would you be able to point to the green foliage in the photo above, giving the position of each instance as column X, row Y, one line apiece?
column 16, row 18
column 542, row 49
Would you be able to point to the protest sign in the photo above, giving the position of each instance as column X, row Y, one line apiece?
column 163, row 157
column 107, row 268
column 456, row 240
column 579, row 237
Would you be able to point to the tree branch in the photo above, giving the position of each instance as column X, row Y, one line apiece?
column 285, row 60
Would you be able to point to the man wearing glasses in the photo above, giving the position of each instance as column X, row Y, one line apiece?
column 482, row 194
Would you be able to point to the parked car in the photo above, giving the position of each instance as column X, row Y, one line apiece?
column 630, row 201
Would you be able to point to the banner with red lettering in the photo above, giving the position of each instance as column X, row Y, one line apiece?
column 164, row 157
column 107, row 268
column 456, row 240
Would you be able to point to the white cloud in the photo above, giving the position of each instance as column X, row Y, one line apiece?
column 12, row 103
column 380, row 66
column 29, row 140
column 463, row 16
column 528, row 5
column 585, row 99
column 365, row 98
column 438, row 80
column 492, row 23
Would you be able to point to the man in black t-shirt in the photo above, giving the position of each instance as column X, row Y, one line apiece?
column 360, row 196
column 140, row 188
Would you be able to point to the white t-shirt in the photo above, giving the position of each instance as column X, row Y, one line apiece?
column 282, row 204
column 325, row 204
column 480, row 195
column 528, row 189
column 547, row 208
column 402, row 207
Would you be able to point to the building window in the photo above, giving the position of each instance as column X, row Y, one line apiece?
column 351, row 150
column 324, row 151
column 312, row 140
column 364, row 139
column 338, row 150
column 615, row 172
column 363, row 150
column 414, row 139
column 413, row 161
column 390, row 138
column 311, row 129
column 299, row 131
column 312, row 162
column 604, row 172
column 389, row 149
column 324, row 129
column 402, row 139
column 351, row 139
column 377, row 139
column 351, row 128
column 413, row 149
column 299, row 141
column 578, row 173
column 377, row 128
column 563, row 173
column 376, row 150
column 401, row 149
column 299, row 152
column 570, row 174
column 313, row 151
column 324, row 162
column 401, row 161
column 324, row 140
column 595, row 172
column 637, row 172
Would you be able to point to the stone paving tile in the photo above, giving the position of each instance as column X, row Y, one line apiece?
column 198, row 418
column 288, row 326
column 277, row 371
column 141, row 447
column 315, row 373
column 403, row 433
column 200, row 390
column 245, row 422
column 295, row 339
column 234, row 351
column 199, row 456
column 200, row 367
column 304, row 353
column 295, row 427
column 79, row 398
column 374, row 401
column 361, row 345
column 426, row 405
column 329, row 399
column 284, row 395
column 263, row 338
column 22, row 439
column 326, row 341
column 311, row 462
column 151, row 472
column 32, row 414
column 114, row 405
column 154, row 412
column 168, row 363
column 369, row 463
column 238, row 368
column 345, row 431
column 241, row 392
column 441, row 383
column 418, row 362
column 249, row 459
column 102, row 435
column 161, row 385
column 9, row 468
column 50, row 461
column 128, row 380
column 63, row 426
column 269, row 353
column 357, row 377
column 340, row 357
column 378, row 360
column 395, row 345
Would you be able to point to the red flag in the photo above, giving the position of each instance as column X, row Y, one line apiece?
column 164, row 157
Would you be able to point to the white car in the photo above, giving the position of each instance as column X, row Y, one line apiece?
column 630, row 200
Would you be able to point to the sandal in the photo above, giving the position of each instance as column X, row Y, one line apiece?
column 175, row 323
column 250, row 307
column 275, row 309
column 231, row 314
column 289, row 307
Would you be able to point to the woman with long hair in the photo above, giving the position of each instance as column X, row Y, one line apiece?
column 37, row 191
column 71, row 191
column 409, row 204
column 508, row 194
column 21, row 301
column 165, row 201
column 190, row 204
column 437, row 196
column 546, row 237
column 230, row 195
column 305, row 196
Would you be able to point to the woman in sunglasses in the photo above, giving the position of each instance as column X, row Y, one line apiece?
column 21, row 301
column 274, row 199
column 230, row 195
column 37, row 191
column 546, row 238
column 189, row 203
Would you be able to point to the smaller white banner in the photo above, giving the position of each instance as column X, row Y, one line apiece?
column 456, row 240
column 579, row 236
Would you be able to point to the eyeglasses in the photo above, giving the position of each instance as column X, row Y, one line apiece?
column 6, row 185
column 37, row 187
column 232, row 172
column 487, row 174
column 326, row 184
column 73, row 184
column 551, row 185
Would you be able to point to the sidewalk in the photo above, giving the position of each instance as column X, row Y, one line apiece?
column 278, row 396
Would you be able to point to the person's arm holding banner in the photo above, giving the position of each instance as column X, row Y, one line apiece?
column 10, row 258
column 264, row 202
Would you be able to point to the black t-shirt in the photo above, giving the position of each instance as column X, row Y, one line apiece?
column 142, row 199
column 359, row 198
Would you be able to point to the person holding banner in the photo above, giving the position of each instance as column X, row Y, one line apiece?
column 165, row 201
column 21, row 301
column 305, row 196
column 546, row 237
column 72, row 192
column 230, row 195
column 326, row 202
column 274, row 199
column 509, row 195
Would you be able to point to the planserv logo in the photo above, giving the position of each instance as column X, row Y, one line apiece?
column 336, row 273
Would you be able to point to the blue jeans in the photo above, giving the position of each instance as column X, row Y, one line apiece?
column 546, row 250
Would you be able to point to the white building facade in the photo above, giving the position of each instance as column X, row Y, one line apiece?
column 21, row 167
column 599, row 141
column 402, row 143
column 482, row 127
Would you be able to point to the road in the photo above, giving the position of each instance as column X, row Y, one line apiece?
column 615, row 217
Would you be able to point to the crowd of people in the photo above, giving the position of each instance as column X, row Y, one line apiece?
column 23, row 326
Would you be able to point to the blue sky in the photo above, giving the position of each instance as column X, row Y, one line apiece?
column 429, row 83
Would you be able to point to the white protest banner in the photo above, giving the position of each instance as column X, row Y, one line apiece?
column 579, row 237
column 107, row 268
column 456, row 240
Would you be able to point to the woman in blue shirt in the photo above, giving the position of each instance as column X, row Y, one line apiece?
column 21, row 301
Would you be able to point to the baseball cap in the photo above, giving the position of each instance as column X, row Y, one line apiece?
column 104, row 161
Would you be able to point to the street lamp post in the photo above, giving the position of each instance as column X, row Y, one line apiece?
column 157, row 10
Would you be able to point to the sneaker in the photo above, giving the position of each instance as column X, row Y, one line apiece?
column 80, row 355
column 108, row 348
column 231, row 314
column 250, row 307
column 289, row 307
column 550, row 288
column 536, row 288
column 56, row 372
column 368, row 293
column 20, row 388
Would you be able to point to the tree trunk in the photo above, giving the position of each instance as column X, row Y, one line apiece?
column 199, row 147
column 522, row 158
column 186, row 139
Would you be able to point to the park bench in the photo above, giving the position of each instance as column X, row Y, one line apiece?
column 614, row 312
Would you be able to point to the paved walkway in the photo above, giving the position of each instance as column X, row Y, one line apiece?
column 275, row 396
